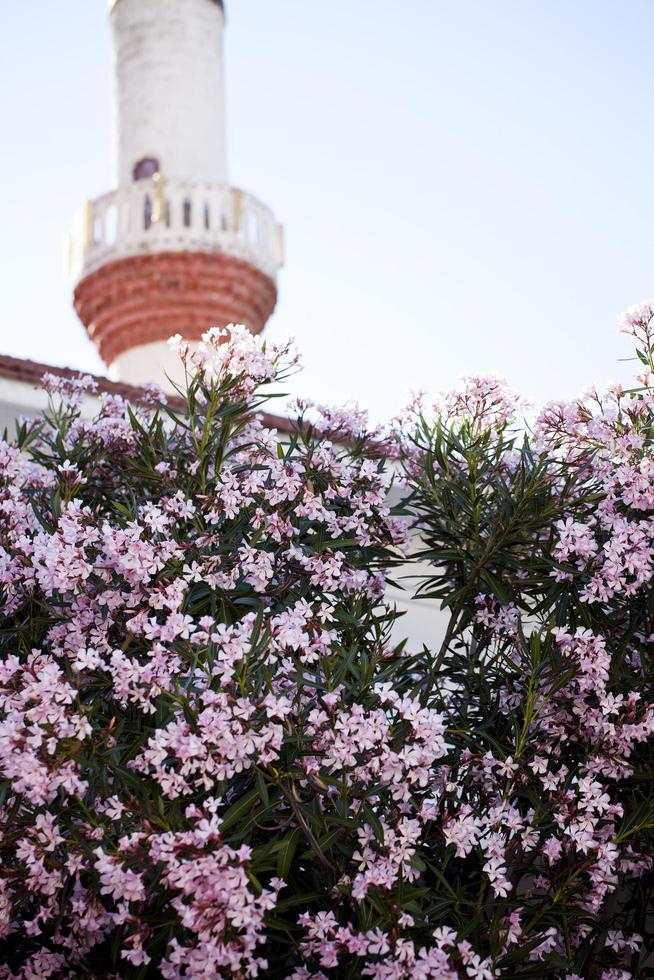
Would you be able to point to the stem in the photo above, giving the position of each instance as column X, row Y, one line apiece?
column 305, row 828
column 451, row 630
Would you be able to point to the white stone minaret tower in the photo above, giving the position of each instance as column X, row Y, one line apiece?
column 174, row 249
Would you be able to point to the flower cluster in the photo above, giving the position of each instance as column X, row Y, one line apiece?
column 482, row 401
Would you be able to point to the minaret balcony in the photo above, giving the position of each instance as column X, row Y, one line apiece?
column 157, row 215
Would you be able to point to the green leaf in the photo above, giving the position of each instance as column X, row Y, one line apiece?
column 286, row 852
column 374, row 821
column 238, row 810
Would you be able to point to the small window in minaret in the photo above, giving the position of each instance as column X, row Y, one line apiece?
column 147, row 213
column 145, row 169
column 187, row 213
column 207, row 217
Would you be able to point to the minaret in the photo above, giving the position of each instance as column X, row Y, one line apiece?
column 173, row 249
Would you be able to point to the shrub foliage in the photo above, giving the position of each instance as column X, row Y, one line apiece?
column 216, row 760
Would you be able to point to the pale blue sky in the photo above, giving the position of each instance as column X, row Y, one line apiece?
column 464, row 185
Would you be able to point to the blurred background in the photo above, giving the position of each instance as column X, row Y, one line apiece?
column 463, row 186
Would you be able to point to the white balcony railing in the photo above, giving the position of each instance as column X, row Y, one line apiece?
column 162, row 216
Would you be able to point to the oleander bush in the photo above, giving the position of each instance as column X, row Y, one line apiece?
column 216, row 760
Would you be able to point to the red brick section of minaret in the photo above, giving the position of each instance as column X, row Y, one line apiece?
column 146, row 298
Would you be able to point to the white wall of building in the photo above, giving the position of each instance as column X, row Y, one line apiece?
column 19, row 399
column 169, row 100
column 147, row 361
column 423, row 623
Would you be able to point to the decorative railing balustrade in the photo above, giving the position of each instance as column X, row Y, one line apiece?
column 162, row 216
